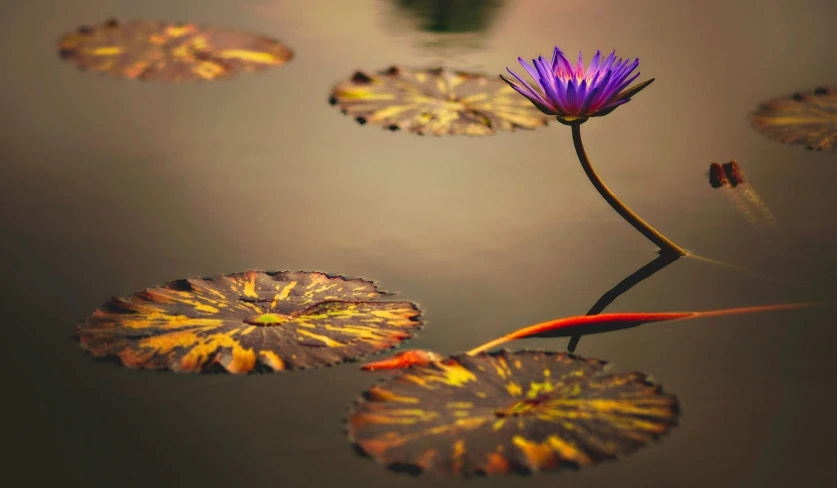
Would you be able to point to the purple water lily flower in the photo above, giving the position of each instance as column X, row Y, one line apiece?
column 573, row 94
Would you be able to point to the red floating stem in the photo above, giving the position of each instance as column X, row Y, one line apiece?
column 624, row 318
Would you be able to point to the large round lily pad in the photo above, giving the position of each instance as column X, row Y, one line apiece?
column 807, row 118
column 246, row 321
column 156, row 50
column 435, row 101
column 508, row 412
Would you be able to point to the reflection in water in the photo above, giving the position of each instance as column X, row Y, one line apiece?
column 663, row 260
column 446, row 24
column 451, row 16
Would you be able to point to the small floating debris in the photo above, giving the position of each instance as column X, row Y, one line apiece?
column 717, row 176
column 734, row 174
column 743, row 196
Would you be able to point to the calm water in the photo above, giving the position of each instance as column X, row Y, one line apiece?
column 108, row 187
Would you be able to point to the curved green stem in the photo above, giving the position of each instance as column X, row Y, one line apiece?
column 649, row 232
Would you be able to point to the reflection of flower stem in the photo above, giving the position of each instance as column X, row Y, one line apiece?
column 638, row 276
column 649, row 232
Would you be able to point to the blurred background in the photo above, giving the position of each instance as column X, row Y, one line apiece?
column 108, row 187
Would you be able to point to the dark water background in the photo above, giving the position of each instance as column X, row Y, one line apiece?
column 109, row 187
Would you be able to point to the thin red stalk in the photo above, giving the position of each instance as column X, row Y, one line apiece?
column 617, row 318
column 569, row 322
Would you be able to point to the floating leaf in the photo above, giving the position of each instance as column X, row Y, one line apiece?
column 507, row 412
column 156, row 50
column 808, row 118
column 243, row 321
column 435, row 101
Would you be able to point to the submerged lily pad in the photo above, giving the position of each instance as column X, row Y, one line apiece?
column 156, row 50
column 250, row 320
column 507, row 412
column 808, row 118
column 435, row 101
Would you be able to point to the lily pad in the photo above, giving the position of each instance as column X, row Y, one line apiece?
column 435, row 101
column 251, row 320
column 507, row 412
column 808, row 118
column 161, row 51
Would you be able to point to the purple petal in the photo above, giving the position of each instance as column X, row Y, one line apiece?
column 530, row 70
column 595, row 80
column 592, row 95
column 542, row 106
column 548, row 82
column 617, row 89
column 545, row 76
column 572, row 100
column 534, row 94
column 597, row 100
column 525, row 91
column 616, row 78
column 609, row 108
column 594, row 64
column 608, row 62
column 564, row 67
column 555, row 57
column 565, row 88
column 581, row 95
column 617, row 84
column 624, row 71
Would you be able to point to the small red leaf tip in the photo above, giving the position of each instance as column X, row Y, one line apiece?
column 403, row 360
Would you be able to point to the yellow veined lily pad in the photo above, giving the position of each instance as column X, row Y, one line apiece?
column 806, row 118
column 161, row 51
column 435, row 101
column 249, row 321
column 507, row 412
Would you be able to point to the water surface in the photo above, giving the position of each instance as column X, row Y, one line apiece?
column 108, row 187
